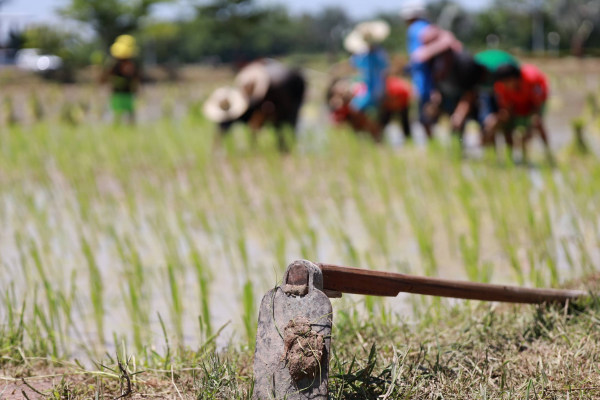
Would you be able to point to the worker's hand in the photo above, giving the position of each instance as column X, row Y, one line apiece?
column 457, row 120
column 503, row 115
column 536, row 120
column 431, row 109
column 459, row 116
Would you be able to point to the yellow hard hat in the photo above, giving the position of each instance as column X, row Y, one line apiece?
column 123, row 51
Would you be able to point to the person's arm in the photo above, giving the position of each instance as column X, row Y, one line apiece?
column 421, row 80
column 540, row 94
column 505, row 108
column 137, row 78
column 385, row 65
column 463, row 108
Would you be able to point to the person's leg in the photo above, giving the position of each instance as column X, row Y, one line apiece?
column 524, row 142
column 131, row 109
column 487, row 116
column 450, row 106
column 405, row 121
column 255, row 123
column 508, row 131
column 359, row 118
column 385, row 116
column 538, row 123
column 361, row 122
column 426, row 117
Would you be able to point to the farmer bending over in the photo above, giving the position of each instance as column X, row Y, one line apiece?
column 456, row 79
column 371, row 61
column 522, row 93
column 492, row 61
column 395, row 103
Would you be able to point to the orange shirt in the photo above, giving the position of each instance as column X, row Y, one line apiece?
column 531, row 94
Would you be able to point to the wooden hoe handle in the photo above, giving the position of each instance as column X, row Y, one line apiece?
column 378, row 283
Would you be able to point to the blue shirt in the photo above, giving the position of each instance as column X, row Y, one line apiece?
column 420, row 72
column 372, row 66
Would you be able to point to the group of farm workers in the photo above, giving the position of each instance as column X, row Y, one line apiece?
column 492, row 87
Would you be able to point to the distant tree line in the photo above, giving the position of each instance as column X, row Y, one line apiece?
column 241, row 30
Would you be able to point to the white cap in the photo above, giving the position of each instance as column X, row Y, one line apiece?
column 413, row 9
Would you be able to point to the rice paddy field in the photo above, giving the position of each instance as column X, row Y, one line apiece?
column 152, row 244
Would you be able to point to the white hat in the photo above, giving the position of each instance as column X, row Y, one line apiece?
column 366, row 33
column 253, row 80
column 413, row 9
column 225, row 104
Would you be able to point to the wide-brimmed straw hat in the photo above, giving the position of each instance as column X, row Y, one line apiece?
column 253, row 80
column 413, row 9
column 125, row 47
column 225, row 104
column 366, row 34
column 435, row 42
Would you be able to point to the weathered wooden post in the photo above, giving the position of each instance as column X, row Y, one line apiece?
column 293, row 340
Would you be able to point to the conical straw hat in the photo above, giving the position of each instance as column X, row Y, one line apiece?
column 225, row 104
column 123, row 51
column 253, row 80
column 366, row 33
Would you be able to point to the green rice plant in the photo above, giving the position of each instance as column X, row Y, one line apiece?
column 176, row 301
column 470, row 246
column 505, row 238
column 8, row 112
column 578, row 125
column 423, row 230
column 36, row 108
column 203, row 276
column 96, row 288
column 52, row 324
column 249, row 313
column 134, row 295
column 279, row 244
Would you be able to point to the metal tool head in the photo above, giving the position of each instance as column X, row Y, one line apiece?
column 293, row 339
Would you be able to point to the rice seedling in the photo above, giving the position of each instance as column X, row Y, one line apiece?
column 96, row 289
column 249, row 312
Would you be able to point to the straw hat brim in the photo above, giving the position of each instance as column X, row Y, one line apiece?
column 126, row 40
column 413, row 10
column 237, row 105
column 253, row 80
column 377, row 31
column 123, row 51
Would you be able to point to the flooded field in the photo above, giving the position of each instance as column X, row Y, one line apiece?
column 112, row 234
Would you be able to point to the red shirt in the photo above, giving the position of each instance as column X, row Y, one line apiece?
column 397, row 94
column 531, row 94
